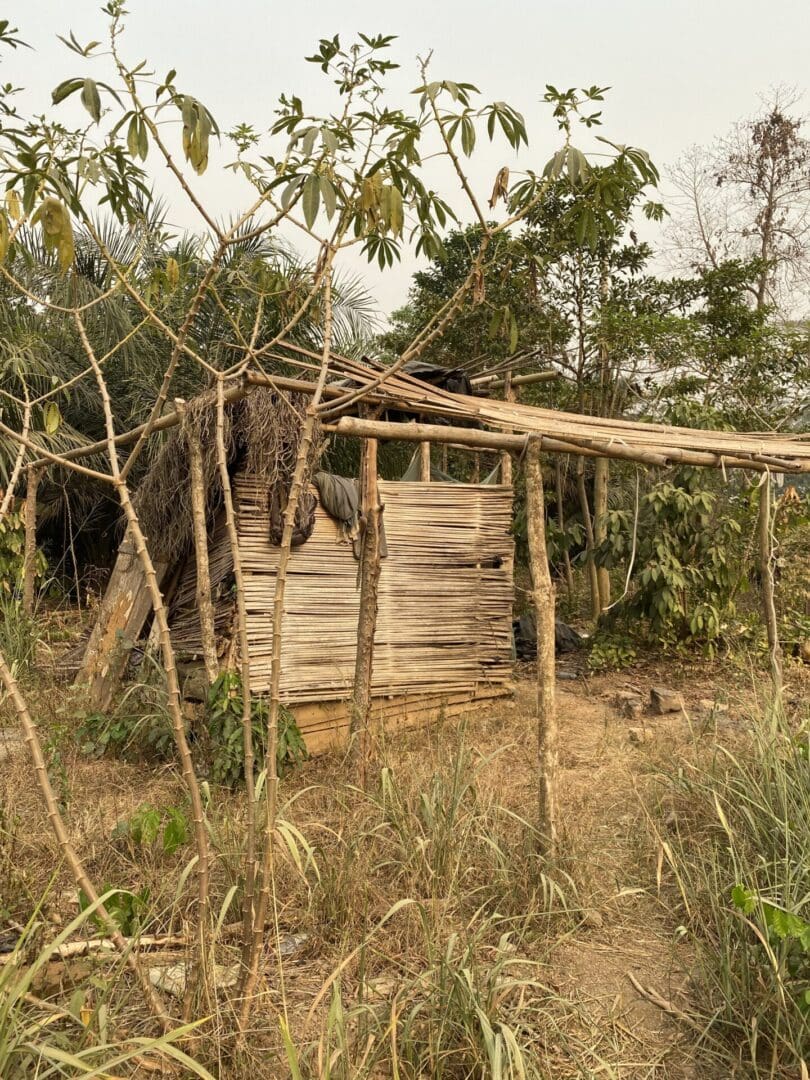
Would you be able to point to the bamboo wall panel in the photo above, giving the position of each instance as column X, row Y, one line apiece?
column 445, row 596
column 185, row 619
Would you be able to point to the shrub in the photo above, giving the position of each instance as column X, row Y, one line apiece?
column 683, row 570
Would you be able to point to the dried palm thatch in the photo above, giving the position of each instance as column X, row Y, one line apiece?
column 262, row 433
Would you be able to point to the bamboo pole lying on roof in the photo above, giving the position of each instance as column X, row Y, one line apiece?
column 497, row 440
column 476, row 437
column 494, row 381
column 646, row 443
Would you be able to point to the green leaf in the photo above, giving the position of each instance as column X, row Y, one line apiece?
column 132, row 137
column 308, row 143
column 176, row 832
column 290, row 1051
column 329, row 140
column 329, row 196
column 288, row 194
column 91, row 99
column 743, row 899
column 467, row 136
column 513, row 333
column 143, row 140
column 311, row 199
column 137, row 138
column 65, row 89
column 53, row 418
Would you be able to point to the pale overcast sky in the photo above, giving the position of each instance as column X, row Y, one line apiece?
column 681, row 72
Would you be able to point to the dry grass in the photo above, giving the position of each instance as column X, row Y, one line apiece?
column 423, row 901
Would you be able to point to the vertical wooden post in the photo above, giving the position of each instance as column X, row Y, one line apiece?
column 601, row 478
column 367, row 616
column 767, row 585
column 205, row 607
column 506, row 457
column 543, row 597
column 569, row 576
column 424, row 462
column 476, row 469
column 30, row 550
column 589, row 544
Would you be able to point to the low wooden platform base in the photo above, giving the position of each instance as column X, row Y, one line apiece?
column 325, row 724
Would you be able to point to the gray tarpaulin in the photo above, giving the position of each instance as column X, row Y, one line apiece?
column 340, row 498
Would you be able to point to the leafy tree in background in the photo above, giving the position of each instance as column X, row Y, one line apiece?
column 506, row 318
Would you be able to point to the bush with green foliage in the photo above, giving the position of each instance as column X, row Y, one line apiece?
column 150, row 824
column 610, row 651
column 224, row 728
column 683, row 574
column 140, row 727
column 12, row 550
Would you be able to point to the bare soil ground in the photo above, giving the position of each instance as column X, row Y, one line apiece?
column 611, row 842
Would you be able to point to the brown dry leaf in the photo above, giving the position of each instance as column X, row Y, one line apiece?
column 478, row 287
column 500, row 187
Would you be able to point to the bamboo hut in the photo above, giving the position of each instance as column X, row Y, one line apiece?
column 444, row 592
column 444, row 604
column 434, row 615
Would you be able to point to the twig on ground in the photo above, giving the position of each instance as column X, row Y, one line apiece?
column 666, row 1006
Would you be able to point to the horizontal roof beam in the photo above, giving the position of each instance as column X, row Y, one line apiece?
column 480, row 439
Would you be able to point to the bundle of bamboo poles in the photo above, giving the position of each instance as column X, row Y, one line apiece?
column 648, row 443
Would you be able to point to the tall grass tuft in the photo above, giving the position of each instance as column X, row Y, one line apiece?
column 19, row 634
column 739, row 849
column 41, row 1039
column 443, row 841
column 470, row 1009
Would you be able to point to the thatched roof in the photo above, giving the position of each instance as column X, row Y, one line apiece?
column 262, row 433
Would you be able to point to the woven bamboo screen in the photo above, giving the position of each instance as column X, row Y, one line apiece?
column 445, row 595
